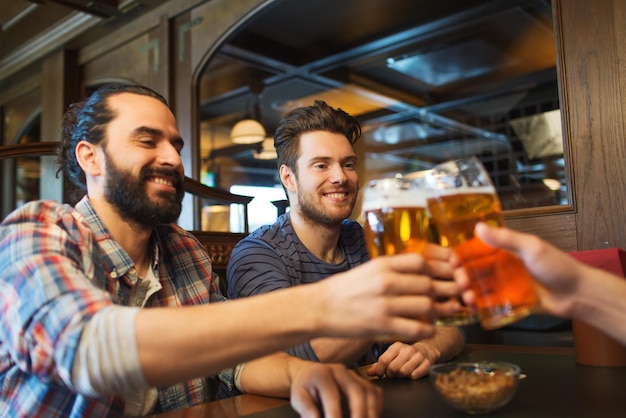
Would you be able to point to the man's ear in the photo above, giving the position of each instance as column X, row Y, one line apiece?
column 287, row 178
column 88, row 158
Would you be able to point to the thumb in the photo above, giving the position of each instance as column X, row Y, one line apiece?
column 500, row 237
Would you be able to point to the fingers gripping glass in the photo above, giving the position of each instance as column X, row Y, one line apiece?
column 397, row 222
column 460, row 194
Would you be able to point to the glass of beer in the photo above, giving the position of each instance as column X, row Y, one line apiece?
column 460, row 194
column 397, row 222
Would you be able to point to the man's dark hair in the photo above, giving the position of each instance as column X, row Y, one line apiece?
column 87, row 120
column 319, row 117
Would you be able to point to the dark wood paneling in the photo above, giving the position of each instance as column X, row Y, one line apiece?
column 594, row 87
column 559, row 228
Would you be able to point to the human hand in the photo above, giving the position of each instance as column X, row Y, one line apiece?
column 554, row 271
column 317, row 390
column 438, row 261
column 387, row 296
column 404, row 361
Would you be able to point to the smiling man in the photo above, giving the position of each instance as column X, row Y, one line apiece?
column 317, row 167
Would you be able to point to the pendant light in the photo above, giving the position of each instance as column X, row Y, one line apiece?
column 250, row 130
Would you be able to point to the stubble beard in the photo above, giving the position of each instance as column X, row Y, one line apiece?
column 315, row 214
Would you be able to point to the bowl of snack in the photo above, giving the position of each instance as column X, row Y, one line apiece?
column 475, row 388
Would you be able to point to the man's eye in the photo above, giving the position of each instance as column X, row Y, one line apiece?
column 179, row 146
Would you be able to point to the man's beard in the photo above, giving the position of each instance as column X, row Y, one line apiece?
column 128, row 194
column 317, row 215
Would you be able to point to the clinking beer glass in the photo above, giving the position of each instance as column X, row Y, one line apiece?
column 397, row 222
column 460, row 194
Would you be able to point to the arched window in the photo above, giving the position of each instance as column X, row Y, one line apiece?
column 429, row 81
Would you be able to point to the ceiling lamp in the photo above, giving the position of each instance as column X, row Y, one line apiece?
column 247, row 131
column 267, row 151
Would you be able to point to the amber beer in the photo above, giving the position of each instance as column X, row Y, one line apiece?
column 397, row 222
column 396, row 230
column 395, row 215
column 504, row 289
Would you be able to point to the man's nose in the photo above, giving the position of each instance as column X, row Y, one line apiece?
column 338, row 174
column 169, row 155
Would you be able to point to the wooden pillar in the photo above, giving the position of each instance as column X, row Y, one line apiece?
column 183, row 106
column 59, row 87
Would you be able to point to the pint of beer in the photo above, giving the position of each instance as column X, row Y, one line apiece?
column 461, row 195
column 397, row 221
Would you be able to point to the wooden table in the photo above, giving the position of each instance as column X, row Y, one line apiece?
column 555, row 387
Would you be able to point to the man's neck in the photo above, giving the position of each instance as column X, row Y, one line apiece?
column 133, row 238
column 321, row 240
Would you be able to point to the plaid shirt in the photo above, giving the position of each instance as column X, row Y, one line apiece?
column 59, row 266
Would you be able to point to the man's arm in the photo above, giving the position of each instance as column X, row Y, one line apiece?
column 311, row 385
column 446, row 344
column 341, row 350
column 209, row 338
column 414, row 360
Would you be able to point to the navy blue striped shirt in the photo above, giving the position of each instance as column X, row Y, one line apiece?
column 273, row 257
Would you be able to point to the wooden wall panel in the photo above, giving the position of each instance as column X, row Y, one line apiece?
column 133, row 62
column 558, row 229
column 594, row 86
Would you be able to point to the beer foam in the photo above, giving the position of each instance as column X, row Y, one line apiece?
column 464, row 190
column 388, row 194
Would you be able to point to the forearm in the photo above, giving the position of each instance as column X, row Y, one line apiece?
column 340, row 350
column 270, row 375
column 446, row 343
column 601, row 302
column 175, row 345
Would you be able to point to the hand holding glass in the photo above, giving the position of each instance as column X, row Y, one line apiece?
column 460, row 194
column 397, row 222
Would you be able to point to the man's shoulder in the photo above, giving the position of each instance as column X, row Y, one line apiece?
column 41, row 211
column 268, row 233
column 268, row 239
column 45, row 225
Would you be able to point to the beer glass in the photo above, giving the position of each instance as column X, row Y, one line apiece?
column 460, row 194
column 397, row 221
